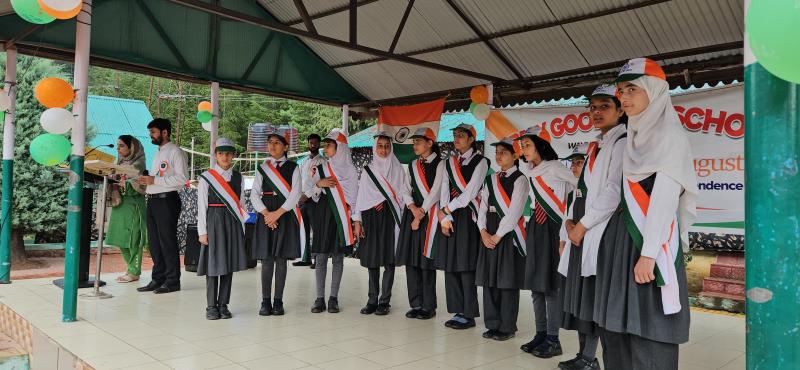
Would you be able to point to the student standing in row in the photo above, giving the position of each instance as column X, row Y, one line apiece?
column 336, row 185
column 220, row 226
column 550, row 183
column 595, row 200
column 501, row 260
column 279, row 231
column 641, row 301
column 377, row 221
column 418, row 234
column 308, row 204
column 460, row 242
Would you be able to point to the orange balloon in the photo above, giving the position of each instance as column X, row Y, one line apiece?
column 60, row 14
column 204, row 105
column 479, row 94
column 54, row 92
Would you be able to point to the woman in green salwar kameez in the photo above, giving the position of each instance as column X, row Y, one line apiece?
column 127, row 227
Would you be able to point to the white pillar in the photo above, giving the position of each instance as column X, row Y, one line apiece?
column 11, row 89
column 346, row 119
column 215, row 120
column 490, row 95
column 83, row 31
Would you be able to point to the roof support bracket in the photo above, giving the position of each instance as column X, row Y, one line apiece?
column 401, row 26
column 257, row 57
column 301, row 9
column 162, row 33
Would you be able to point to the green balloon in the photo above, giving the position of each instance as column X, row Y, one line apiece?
column 204, row 116
column 50, row 149
column 769, row 25
column 472, row 107
column 30, row 11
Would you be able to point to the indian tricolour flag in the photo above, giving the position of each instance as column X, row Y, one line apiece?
column 402, row 121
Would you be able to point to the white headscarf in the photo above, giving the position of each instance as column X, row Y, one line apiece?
column 345, row 170
column 552, row 171
column 390, row 168
column 657, row 143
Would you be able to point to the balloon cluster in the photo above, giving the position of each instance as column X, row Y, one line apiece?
column 770, row 25
column 204, row 115
column 46, row 11
column 479, row 96
column 53, row 148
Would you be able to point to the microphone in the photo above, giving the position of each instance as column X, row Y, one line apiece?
column 95, row 148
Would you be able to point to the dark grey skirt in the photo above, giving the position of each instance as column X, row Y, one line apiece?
column 323, row 224
column 459, row 251
column 411, row 244
column 623, row 306
column 283, row 242
column 502, row 267
column 225, row 252
column 377, row 247
column 541, row 265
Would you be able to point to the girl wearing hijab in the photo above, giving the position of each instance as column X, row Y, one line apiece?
column 127, row 228
column 550, row 182
column 280, row 229
column 641, row 300
column 460, row 240
column 418, row 234
column 336, row 184
column 377, row 220
column 595, row 200
column 501, row 261
column 220, row 227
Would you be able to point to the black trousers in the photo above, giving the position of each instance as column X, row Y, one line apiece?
column 462, row 294
column 269, row 266
column 385, row 287
column 628, row 351
column 421, row 288
column 218, row 289
column 162, row 235
column 500, row 309
column 304, row 211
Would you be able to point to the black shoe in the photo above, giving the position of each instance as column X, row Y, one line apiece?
column 383, row 309
column 319, row 305
column 500, row 336
column 535, row 342
column 266, row 308
column 461, row 326
column 301, row 263
column 566, row 365
column 449, row 323
column 425, row 314
column 369, row 309
column 224, row 312
column 333, row 305
column 548, row 349
column 277, row 307
column 212, row 313
column 151, row 286
column 313, row 265
column 413, row 313
column 489, row 333
column 583, row 364
column 167, row 289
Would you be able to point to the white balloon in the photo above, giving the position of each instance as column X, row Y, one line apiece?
column 62, row 5
column 207, row 126
column 481, row 111
column 57, row 120
column 5, row 101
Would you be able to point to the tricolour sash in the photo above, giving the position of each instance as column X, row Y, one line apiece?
column 420, row 184
column 502, row 203
column 283, row 187
column 388, row 193
column 338, row 206
column 457, row 178
column 636, row 202
column 555, row 207
column 588, row 169
column 223, row 190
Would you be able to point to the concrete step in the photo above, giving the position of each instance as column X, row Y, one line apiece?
column 721, row 301
column 727, row 271
column 722, row 285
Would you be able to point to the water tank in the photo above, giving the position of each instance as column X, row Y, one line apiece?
column 290, row 133
column 257, row 136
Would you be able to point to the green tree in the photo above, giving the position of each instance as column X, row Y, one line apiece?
column 40, row 192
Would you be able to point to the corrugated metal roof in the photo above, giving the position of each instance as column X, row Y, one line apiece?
column 495, row 16
column 542, row 51
column 112, row 117
column 364, row 138
column 685, row 24
column 611, row 38
column 431, row 23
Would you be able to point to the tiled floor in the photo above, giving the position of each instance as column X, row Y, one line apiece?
column 145, row 331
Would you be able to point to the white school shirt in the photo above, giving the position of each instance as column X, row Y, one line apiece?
column 435, row 193
column 168, row 169
column 663, row 207
column 518, row 198
column 473, row 185
column 202, row 198
column 294, row 194
column 307, row 170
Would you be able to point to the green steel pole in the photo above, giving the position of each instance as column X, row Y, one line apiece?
column 8, row 168
column 75, row 198
column 772, row 218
